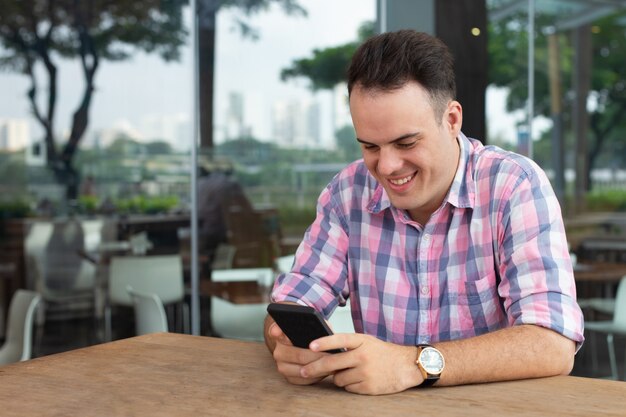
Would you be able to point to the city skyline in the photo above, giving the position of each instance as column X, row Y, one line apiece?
column 145, row 86
column 142, row 93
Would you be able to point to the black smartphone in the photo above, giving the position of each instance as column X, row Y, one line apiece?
column 301, row 324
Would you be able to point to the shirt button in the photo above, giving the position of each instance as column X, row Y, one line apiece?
column 424, row 290
column 426, row 238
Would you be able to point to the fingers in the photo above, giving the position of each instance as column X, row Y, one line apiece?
column 329, row 364
column 295, row 355
column 289, row 362
column 291, row 372
column 348, row 379
column 348, row 341
column 277, row 334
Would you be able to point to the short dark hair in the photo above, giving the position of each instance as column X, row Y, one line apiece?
column 390, row 60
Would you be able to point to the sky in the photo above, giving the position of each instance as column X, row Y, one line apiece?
column 145, row 87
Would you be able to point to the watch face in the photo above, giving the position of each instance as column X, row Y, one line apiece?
column 432, row 360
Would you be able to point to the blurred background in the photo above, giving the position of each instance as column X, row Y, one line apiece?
column 111, row 113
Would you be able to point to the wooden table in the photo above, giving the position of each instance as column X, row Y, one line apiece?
column 181, row 375
column 599, row 272
column 236, row 292
column 598, row 279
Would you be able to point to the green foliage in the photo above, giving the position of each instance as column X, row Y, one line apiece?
column 146, row 205
column 347, row 143
column 295, row 220
column 13, row 169
column 606, row 200
column 87, row 204
column 247, row 151
column 31, row 28
column 247, row 8
column 327, row 67
column 158, row 147
column 508, row 67
column 15, row 209
column 34, row 34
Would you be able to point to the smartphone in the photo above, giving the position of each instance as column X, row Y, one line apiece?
column 301, row 324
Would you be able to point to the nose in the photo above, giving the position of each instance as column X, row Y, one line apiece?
column 389, row 161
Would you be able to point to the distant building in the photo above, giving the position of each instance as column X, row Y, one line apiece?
column 174, row 129
column 235, row 126
column 105, row 137
column 296, row 123
column 14, row 134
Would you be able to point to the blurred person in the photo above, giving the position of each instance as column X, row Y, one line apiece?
column 452, row 254
column 218, row 191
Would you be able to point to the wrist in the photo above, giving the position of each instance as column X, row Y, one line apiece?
column 430, row 364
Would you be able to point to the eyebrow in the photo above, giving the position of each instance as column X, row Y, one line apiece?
column 398, row 139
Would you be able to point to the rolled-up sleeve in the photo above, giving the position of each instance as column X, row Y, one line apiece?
column 537, row 284
column 319, row 275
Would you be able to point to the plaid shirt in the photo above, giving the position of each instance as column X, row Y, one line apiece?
column 493, row 255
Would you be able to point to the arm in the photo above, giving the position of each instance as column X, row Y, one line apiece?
column 318, row 278
column 372, row 366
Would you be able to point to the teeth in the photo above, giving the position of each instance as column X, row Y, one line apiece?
column 401, row 181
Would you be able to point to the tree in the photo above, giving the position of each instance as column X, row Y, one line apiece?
column 327, row 67
column 607, row 116
column 158, row 147
column 38, row 33
column 206, row 16
column 349, row 147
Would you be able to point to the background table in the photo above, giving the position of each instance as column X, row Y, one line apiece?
column 181, row 375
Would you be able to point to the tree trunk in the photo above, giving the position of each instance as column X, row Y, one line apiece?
column 454, row 22
column 206, row 14
column 581, row 82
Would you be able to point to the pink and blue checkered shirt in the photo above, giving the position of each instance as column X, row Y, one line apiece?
column 493, row 255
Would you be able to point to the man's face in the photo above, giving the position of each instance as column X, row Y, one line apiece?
column 410, row 152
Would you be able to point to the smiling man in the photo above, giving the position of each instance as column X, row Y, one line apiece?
column 453, row 255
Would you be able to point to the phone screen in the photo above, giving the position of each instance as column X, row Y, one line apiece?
column 301, row 324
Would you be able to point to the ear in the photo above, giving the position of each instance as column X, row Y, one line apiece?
column 453, row 118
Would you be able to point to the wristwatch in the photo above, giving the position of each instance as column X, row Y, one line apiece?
column 430, row 363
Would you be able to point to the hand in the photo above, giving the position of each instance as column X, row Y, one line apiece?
column 370, row 366
column 290, row 359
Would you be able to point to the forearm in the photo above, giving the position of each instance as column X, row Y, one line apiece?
column 518, row 352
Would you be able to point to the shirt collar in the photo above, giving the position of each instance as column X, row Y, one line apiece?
column 462, row 190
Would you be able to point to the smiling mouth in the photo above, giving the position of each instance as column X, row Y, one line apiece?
column 402, row 181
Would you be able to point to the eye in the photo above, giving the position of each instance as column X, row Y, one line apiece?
column 405, row 145
column 369, row 147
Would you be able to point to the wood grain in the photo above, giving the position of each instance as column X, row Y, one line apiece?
column 181, row 375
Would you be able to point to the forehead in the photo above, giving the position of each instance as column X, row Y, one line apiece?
column 379, row 114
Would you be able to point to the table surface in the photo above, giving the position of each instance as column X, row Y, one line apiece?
column 180, row 375
column 236, row 292
column 599, row 272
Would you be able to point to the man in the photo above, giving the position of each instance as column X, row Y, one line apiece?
column 453, row 255
column 218, row 192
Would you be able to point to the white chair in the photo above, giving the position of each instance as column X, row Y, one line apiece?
column 613, row 327
column 601, row 305
column 150, row 314
column 341, row 320
column 65, row 280
column 240, row 321
column 284, row 263
column 161, row 275
column 18, row 343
